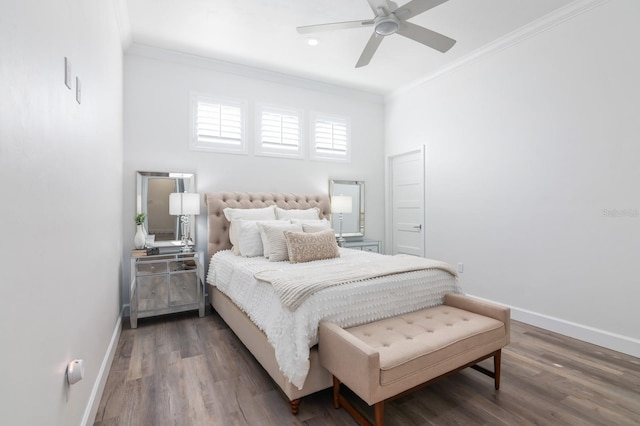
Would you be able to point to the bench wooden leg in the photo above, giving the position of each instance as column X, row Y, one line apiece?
column 336, row 392
column 379, row 413
column 496, row 367
column 340, row 401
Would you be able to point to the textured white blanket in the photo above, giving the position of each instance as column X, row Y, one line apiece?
column 292, row 333
column 294, row 287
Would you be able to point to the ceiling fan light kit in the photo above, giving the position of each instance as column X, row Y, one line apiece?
column 390, row 19
column 387, row 25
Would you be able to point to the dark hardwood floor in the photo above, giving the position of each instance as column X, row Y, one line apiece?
column 185, row 370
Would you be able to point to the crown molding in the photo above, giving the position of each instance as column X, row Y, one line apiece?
column 181, row 58
column 538, row 26
column 124, row 24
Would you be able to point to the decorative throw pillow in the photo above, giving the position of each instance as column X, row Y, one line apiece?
column 273, row 241
column 266, row 213
column 312, row 213
column 248, row 235
column 305, row 246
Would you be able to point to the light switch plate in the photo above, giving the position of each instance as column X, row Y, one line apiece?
column 78, row 90
column 67, row 72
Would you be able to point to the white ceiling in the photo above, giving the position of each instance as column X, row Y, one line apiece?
column 262, row 34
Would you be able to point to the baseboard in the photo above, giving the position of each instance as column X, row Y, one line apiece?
column 98, row 387
column 624, row 344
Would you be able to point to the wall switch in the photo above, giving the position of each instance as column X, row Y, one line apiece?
column 67, row 72
column 78, row 90
column 460, row 267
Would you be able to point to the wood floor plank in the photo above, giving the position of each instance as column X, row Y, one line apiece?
column 184, row 370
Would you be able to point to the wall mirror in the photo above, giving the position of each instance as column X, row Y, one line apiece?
column 152, row 198
column 352, row 223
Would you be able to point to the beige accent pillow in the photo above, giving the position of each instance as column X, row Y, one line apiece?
column 273, row 241
column 308, row 246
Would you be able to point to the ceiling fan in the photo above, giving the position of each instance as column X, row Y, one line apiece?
column 390, row 19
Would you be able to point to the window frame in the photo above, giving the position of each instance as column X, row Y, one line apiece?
column 260, row 149
column 314, row 117
column 195, row 144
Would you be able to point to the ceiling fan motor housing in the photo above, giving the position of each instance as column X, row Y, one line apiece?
column 387, row 25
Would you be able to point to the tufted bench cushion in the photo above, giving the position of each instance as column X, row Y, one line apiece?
column 388, row 357
column 419, row 340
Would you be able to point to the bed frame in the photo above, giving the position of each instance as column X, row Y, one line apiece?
column 250, row 335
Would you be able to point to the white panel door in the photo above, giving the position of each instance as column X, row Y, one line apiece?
column 406, row 185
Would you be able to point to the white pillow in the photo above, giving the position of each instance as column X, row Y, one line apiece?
column 248, row 235
column 266, row 246
column 312, row 213
column 274, row 242
column 266, row 213
column 313, row 225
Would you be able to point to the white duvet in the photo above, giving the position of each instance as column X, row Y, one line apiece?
column 292, row 333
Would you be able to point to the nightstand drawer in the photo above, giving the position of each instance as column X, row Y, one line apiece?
column 148, row 268
column 372, row 246
column 153, row 292
column 184, row 288
column 182, row 265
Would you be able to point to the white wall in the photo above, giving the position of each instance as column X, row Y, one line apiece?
column 61, row 211
column 526, row 147
column 156, row 121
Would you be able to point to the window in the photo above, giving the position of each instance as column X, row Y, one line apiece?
column 218, row 124
column 278, row 131
column 331, row 138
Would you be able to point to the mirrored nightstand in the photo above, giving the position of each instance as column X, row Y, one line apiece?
column 166, row 283
column 365, row 245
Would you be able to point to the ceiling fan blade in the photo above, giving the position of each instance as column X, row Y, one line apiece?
column 334, row 26
column 416, row 7
column 369, row 50
column 427, row 37
column 375, row 4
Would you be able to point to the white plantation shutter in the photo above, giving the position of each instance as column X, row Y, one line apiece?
column 331, row 138
column 278, row 132
column 218, row 124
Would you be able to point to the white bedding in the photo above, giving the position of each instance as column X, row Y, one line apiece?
column 293, row 333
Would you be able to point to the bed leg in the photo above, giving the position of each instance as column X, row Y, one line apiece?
column 295, row 405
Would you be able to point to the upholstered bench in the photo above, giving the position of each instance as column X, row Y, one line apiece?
column 386, row 358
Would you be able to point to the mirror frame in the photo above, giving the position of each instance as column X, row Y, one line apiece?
column 142, row 179
column 360, row 217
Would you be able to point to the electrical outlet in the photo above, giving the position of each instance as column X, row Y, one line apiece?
column 460, row 267
column 67, row 72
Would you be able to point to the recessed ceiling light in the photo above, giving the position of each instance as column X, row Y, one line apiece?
column 312, row 41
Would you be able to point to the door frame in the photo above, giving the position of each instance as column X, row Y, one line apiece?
column 388, row 246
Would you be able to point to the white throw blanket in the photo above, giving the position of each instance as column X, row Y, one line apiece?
column 292, row 333
column 294, row 287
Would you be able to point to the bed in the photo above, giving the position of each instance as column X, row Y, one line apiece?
column 230, row 277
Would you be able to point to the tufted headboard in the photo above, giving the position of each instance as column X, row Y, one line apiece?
column 218, row 225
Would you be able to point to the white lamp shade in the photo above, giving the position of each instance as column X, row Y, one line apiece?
column 341, row 204
column 184, row 203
